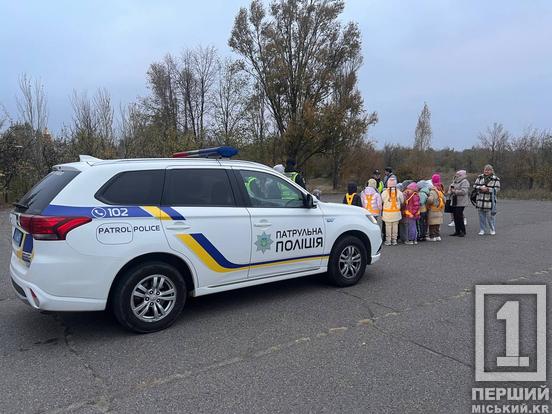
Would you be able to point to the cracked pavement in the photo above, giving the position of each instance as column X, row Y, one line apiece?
column 402, row 340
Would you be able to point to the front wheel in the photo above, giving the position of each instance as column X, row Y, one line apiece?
column 347, row 261
column 149, row 297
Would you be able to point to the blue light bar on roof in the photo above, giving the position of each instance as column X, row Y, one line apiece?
column 220, row 152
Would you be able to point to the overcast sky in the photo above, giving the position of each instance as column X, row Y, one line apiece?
column 474, row 62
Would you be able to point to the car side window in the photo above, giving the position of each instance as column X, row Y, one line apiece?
column 270, row 191
column 142, row 187
column 198, row 187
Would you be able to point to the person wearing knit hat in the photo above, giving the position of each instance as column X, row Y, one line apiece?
column 392, row 199
column 371, row 199
column 436, row 181
column 458, row 192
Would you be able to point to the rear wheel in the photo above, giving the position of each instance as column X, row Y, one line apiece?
column 347, row 262
column 149, row 297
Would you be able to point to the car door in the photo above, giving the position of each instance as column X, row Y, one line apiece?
column 286, row 236
column 203, row 222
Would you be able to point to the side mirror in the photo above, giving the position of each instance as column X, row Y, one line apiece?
column 309, row 201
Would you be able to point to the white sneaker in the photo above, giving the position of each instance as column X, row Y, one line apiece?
column 451, row 224
column 438, row 238
column 493, row 232
column 409, row 242
column 394, row 242
column 415, row 241
column 481, row 233
column 387, row 243
column 465, row 221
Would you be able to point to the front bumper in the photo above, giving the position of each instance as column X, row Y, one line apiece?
column 39, row 299
column 375, row 258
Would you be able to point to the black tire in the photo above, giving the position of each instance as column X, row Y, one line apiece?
column 125, row 297
column 336, row 272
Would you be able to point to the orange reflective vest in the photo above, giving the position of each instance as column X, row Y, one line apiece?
column 394, row 208
column 350, row 198
column 406, row 212
column 369, row 201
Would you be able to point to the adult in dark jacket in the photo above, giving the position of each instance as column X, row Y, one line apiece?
column 293, row 174
column 487, row 185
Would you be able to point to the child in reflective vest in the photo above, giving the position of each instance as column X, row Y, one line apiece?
column 352, row 198
column 392, row 199
column 411, row 212
column 435, row 210
column 371, row 200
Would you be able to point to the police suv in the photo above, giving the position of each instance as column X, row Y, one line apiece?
column 137, row 236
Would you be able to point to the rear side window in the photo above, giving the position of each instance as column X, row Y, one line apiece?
column 134, row 188
column 38, row 198
column 198, row 187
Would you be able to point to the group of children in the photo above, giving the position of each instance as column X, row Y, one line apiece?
column 410, row 210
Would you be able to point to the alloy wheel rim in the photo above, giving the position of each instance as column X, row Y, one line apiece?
column 349, row 262
column 153, row 298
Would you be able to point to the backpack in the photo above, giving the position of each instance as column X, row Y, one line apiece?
column 473, row 197
column 440, row 200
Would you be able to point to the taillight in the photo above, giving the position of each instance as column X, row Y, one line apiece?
column 50, row 227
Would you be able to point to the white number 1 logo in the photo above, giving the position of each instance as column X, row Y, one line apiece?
column 510, row 313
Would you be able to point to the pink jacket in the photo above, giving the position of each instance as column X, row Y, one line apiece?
column 371, row 201
column 411, row 207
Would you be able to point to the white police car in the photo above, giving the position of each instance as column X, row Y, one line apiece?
column 138, row 236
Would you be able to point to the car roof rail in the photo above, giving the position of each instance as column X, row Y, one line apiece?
column 215, row 152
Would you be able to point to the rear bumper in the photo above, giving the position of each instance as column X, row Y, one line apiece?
column 38, row 299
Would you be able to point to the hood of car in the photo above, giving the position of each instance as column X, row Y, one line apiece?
column 341, row 209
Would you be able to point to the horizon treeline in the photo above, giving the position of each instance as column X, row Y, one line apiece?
column 290, row 92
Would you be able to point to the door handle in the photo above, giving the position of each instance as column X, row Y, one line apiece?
column 262, row 224
column 179, row 225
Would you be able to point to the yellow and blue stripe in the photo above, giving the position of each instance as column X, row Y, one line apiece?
column 211, row 257
column 163, row 212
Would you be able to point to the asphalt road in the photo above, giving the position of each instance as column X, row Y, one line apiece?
column 402, row 340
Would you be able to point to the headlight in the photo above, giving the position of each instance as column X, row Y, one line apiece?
column 371, row 218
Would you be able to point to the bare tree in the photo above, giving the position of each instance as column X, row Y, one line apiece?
column 196, row 80
column 423, row 133
column 32, row 103
column 104, row 115
column 204, row 63
column 4, row 116
column 163, row 101
column 230, row 104
column 496, row 141
column 91, row 131
column 258, row 125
